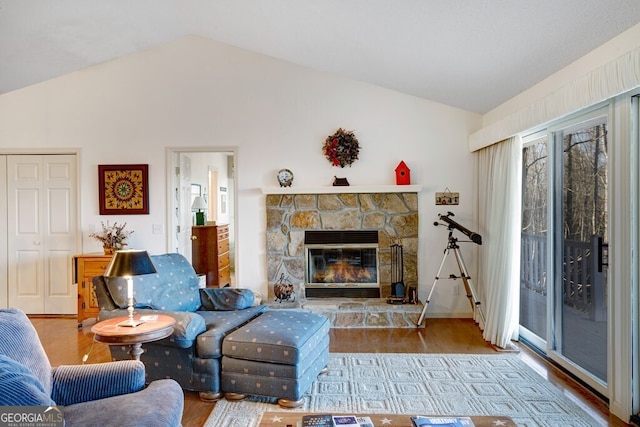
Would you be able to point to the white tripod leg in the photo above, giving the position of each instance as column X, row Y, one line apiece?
column 468, row 286
column 426, row 303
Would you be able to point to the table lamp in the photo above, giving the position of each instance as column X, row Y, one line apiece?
column 128, row 263
column 199, row 204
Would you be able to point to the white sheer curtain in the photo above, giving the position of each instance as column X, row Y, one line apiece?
column 499, row 188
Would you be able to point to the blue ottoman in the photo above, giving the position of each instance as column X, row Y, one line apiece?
column 278, row 354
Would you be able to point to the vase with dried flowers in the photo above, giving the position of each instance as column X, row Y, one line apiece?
column 113, row 237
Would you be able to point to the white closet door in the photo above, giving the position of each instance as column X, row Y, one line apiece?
column 42, row 222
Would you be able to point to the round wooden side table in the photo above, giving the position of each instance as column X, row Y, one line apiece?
column 155, row 327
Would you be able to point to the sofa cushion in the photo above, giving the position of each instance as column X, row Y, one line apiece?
column 174, row 287
column 278, row 370
column 219, row 325
column 273, row 379
column 278, row 336
column 226, row 298
column 19, row 386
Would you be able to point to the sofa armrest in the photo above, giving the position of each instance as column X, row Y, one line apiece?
column 160, row 405
column 81, row 383
column 186, row 329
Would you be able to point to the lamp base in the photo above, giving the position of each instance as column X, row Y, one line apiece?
column 131, row 322
column 199, row 218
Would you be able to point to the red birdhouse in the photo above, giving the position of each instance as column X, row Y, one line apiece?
column 403, row 174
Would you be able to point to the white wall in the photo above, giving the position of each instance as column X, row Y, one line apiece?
column 196, row 92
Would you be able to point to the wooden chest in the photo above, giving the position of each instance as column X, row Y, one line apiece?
column 210, row 254
column 85, row 267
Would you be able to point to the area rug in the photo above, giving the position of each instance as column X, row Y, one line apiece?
column 423, row 384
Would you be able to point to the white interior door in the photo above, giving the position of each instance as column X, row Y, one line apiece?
column 185, row 217
column 4, row 301
column 41, row 235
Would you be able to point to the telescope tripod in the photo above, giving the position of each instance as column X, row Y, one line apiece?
column 466, row 279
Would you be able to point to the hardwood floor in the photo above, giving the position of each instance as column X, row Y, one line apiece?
column 65, row 343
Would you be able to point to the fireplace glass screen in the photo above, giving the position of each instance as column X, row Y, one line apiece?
column 342, row 265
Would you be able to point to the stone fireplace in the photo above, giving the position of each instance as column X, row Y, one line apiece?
column 389, row 216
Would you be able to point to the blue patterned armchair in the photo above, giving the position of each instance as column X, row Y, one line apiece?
column 102, row 394
column 204, row 317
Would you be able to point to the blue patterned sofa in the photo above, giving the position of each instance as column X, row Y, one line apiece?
column 204, row 317
column 100, row 394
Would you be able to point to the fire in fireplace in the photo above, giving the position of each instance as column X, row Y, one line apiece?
column 342, row 264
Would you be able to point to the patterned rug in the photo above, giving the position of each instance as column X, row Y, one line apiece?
column 423, row 384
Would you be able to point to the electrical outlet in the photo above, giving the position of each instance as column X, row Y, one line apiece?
column 157, row 229
column 455, row 290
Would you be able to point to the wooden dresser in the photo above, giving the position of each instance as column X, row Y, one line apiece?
column 85, row 267
column 210, row 253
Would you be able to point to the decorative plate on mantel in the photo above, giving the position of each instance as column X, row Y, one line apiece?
column 285, row 177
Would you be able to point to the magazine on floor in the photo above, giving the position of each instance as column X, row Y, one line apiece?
column 328, row 420
column 420, row 421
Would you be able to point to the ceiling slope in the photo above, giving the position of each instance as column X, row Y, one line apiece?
column 468, row 54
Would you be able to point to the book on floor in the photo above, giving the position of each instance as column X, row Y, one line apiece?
column 329, row 420
column 345, row 421
column 365, row 422
column 420, row 421
column 317, row 420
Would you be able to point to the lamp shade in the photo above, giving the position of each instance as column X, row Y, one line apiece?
column 130, row 262
column 199, row 203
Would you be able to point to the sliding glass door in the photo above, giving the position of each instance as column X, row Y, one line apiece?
column 533, row 241
column 563, row 297
column 581, row 221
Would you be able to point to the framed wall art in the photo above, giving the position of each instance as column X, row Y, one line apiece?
column 124, row 189
column 447, row 197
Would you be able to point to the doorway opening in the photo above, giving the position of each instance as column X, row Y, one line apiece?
column 210, row 170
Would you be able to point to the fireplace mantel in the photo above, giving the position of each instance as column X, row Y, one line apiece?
column 344, row 189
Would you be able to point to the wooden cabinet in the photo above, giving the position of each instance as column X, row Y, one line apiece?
column 85, row 267
column 210, row 253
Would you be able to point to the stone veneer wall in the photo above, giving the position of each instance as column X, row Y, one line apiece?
column 394, row 215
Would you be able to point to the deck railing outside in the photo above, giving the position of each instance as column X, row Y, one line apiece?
column 585, row 281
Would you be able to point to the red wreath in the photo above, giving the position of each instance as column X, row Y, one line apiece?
column 341, row 148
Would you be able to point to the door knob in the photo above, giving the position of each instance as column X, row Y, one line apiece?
column 194, row 237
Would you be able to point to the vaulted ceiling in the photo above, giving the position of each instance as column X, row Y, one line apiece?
column 469, row 54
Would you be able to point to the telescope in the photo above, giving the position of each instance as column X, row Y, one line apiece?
column 475, row 237
column 464, row 274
